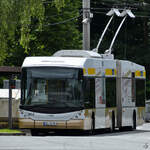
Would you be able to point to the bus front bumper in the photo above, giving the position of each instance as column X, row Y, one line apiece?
column 71, row 124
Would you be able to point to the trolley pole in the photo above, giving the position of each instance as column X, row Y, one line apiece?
column 10, row 104
column 86, row 24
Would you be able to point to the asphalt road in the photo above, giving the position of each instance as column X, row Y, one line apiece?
column 127, row 140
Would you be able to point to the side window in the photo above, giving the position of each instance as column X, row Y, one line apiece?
column 110, row 92
column 89, row 92
column 140, row 93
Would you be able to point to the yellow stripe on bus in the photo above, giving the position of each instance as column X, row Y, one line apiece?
column 144, row 74
column 110, row 72
column 140, row 73
column 91, row 71
column 137, row 73
column 84, row 71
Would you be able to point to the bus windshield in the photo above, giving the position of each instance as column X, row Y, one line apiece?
column 48, row 89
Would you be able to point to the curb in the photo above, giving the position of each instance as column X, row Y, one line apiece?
column 12, row 134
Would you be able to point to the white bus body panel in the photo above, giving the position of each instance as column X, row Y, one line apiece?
column 126, row 93
column 100, row 104
column 128, row 106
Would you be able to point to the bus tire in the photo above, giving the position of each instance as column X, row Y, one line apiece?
column 34, row 132
column 134, row 120
column 112, row 128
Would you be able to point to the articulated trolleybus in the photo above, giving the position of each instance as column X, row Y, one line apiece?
column 84, row 90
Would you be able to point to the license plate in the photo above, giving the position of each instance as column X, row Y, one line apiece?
column 49, row 123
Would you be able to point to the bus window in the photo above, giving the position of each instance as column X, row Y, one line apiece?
column 140, row 93
column 89, row 92
column 110, row 92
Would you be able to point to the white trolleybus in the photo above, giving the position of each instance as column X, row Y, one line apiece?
column 83, row 90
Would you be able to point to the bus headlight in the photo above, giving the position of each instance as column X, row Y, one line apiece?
column 79, row 115
column 26, row 114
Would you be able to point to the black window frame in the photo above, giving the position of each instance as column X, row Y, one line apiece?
column 140, row 102
column 89, row 92
column 108, row 96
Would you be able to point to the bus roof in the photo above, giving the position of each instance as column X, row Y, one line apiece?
column 54, row 61
column 94, row 64
column 65, row 58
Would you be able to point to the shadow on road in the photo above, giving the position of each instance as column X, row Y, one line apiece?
column 102, row 132
column 96, row 133
column 118, row 133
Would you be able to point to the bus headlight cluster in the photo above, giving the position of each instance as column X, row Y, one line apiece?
column 25, row 114
column 79, row 115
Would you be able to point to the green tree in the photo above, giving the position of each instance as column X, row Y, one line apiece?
column 15, row 15
column 36, row 27
column 60, row 29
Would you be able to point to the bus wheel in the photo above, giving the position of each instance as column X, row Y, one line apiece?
column 112, row 128
column 134, row 120
column 34, row 132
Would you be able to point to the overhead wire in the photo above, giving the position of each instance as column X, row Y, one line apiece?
column 65, row 21
column 140, row 16
column 92, row 8
column 55, row 23
column 73, row 18
column 70, row 19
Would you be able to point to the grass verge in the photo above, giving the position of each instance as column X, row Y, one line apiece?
column 9, row 131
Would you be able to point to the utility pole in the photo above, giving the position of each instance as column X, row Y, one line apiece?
column 86, row 24
column 10, row 104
